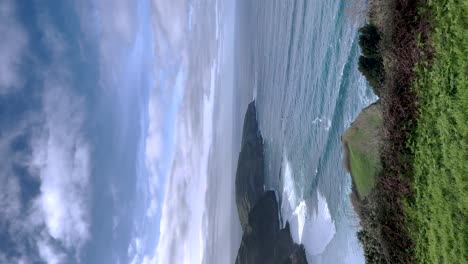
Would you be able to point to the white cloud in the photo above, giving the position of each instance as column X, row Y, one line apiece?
column 60, row 153
column 185, row 69
column 178, row 144
column 55, row 222
column 113, row 26
column 16, row 260
column 153, row 153
column 171, row 20
column 111, row 22
column 15, row 221
column 169, row 26
column 176, row 215
column 60, row 162
column 136, row 252
column 48, row 253
column 9, row 197
column 182, row 239
column 12, row 48
column 154, row 137
column 62, row 156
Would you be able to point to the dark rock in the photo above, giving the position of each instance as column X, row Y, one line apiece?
column 263, row 241
column 250, row 172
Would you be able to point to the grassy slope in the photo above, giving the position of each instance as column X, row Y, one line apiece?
column 438, row 213
column 362, row 140
column 363, row 171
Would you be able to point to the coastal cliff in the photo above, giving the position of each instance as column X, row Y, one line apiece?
column 250, row 172
column 263, row 241
column 361, row 143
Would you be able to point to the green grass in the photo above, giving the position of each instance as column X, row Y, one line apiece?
column 437, row 214
column 364, row 171
column 363, row 142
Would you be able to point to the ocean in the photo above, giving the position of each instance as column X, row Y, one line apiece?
column 298, row 60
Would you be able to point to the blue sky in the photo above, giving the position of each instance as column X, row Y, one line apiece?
column 97, row 127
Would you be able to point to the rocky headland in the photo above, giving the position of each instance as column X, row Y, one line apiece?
column 263, row 240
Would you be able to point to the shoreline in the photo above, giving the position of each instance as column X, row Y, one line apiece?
column 419, row 201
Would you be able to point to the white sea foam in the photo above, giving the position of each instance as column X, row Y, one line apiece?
column 328, row 124
column 314, row 229
column 289, row 191
column 325, row 120
column 317, row 120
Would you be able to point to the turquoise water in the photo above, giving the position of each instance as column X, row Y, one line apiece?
column 298, row 59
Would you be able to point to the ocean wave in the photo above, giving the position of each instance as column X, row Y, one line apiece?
column 312, row 227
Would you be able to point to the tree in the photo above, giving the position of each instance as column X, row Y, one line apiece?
column 369, row 41
column 371, row 62
column 372, row 69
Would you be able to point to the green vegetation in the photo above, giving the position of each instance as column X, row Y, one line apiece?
column 369, row 41
column 363, row 170
column 417, row 210
column 438, row 213
column 372, row 246
column 362, row 142
column 371, row 62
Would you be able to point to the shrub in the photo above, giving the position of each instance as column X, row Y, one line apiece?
column 369, row 41
column 372, row 69
column 371, row 62
column 373, row 251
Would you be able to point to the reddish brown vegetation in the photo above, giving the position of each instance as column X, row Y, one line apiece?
column 399, row 106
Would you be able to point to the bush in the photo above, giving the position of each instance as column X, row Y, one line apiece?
column 373, row 251
column 369, row 41
column 370, row 236
column 372, row 69
column 371, row 62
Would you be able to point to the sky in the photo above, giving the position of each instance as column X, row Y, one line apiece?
column 107, row 113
